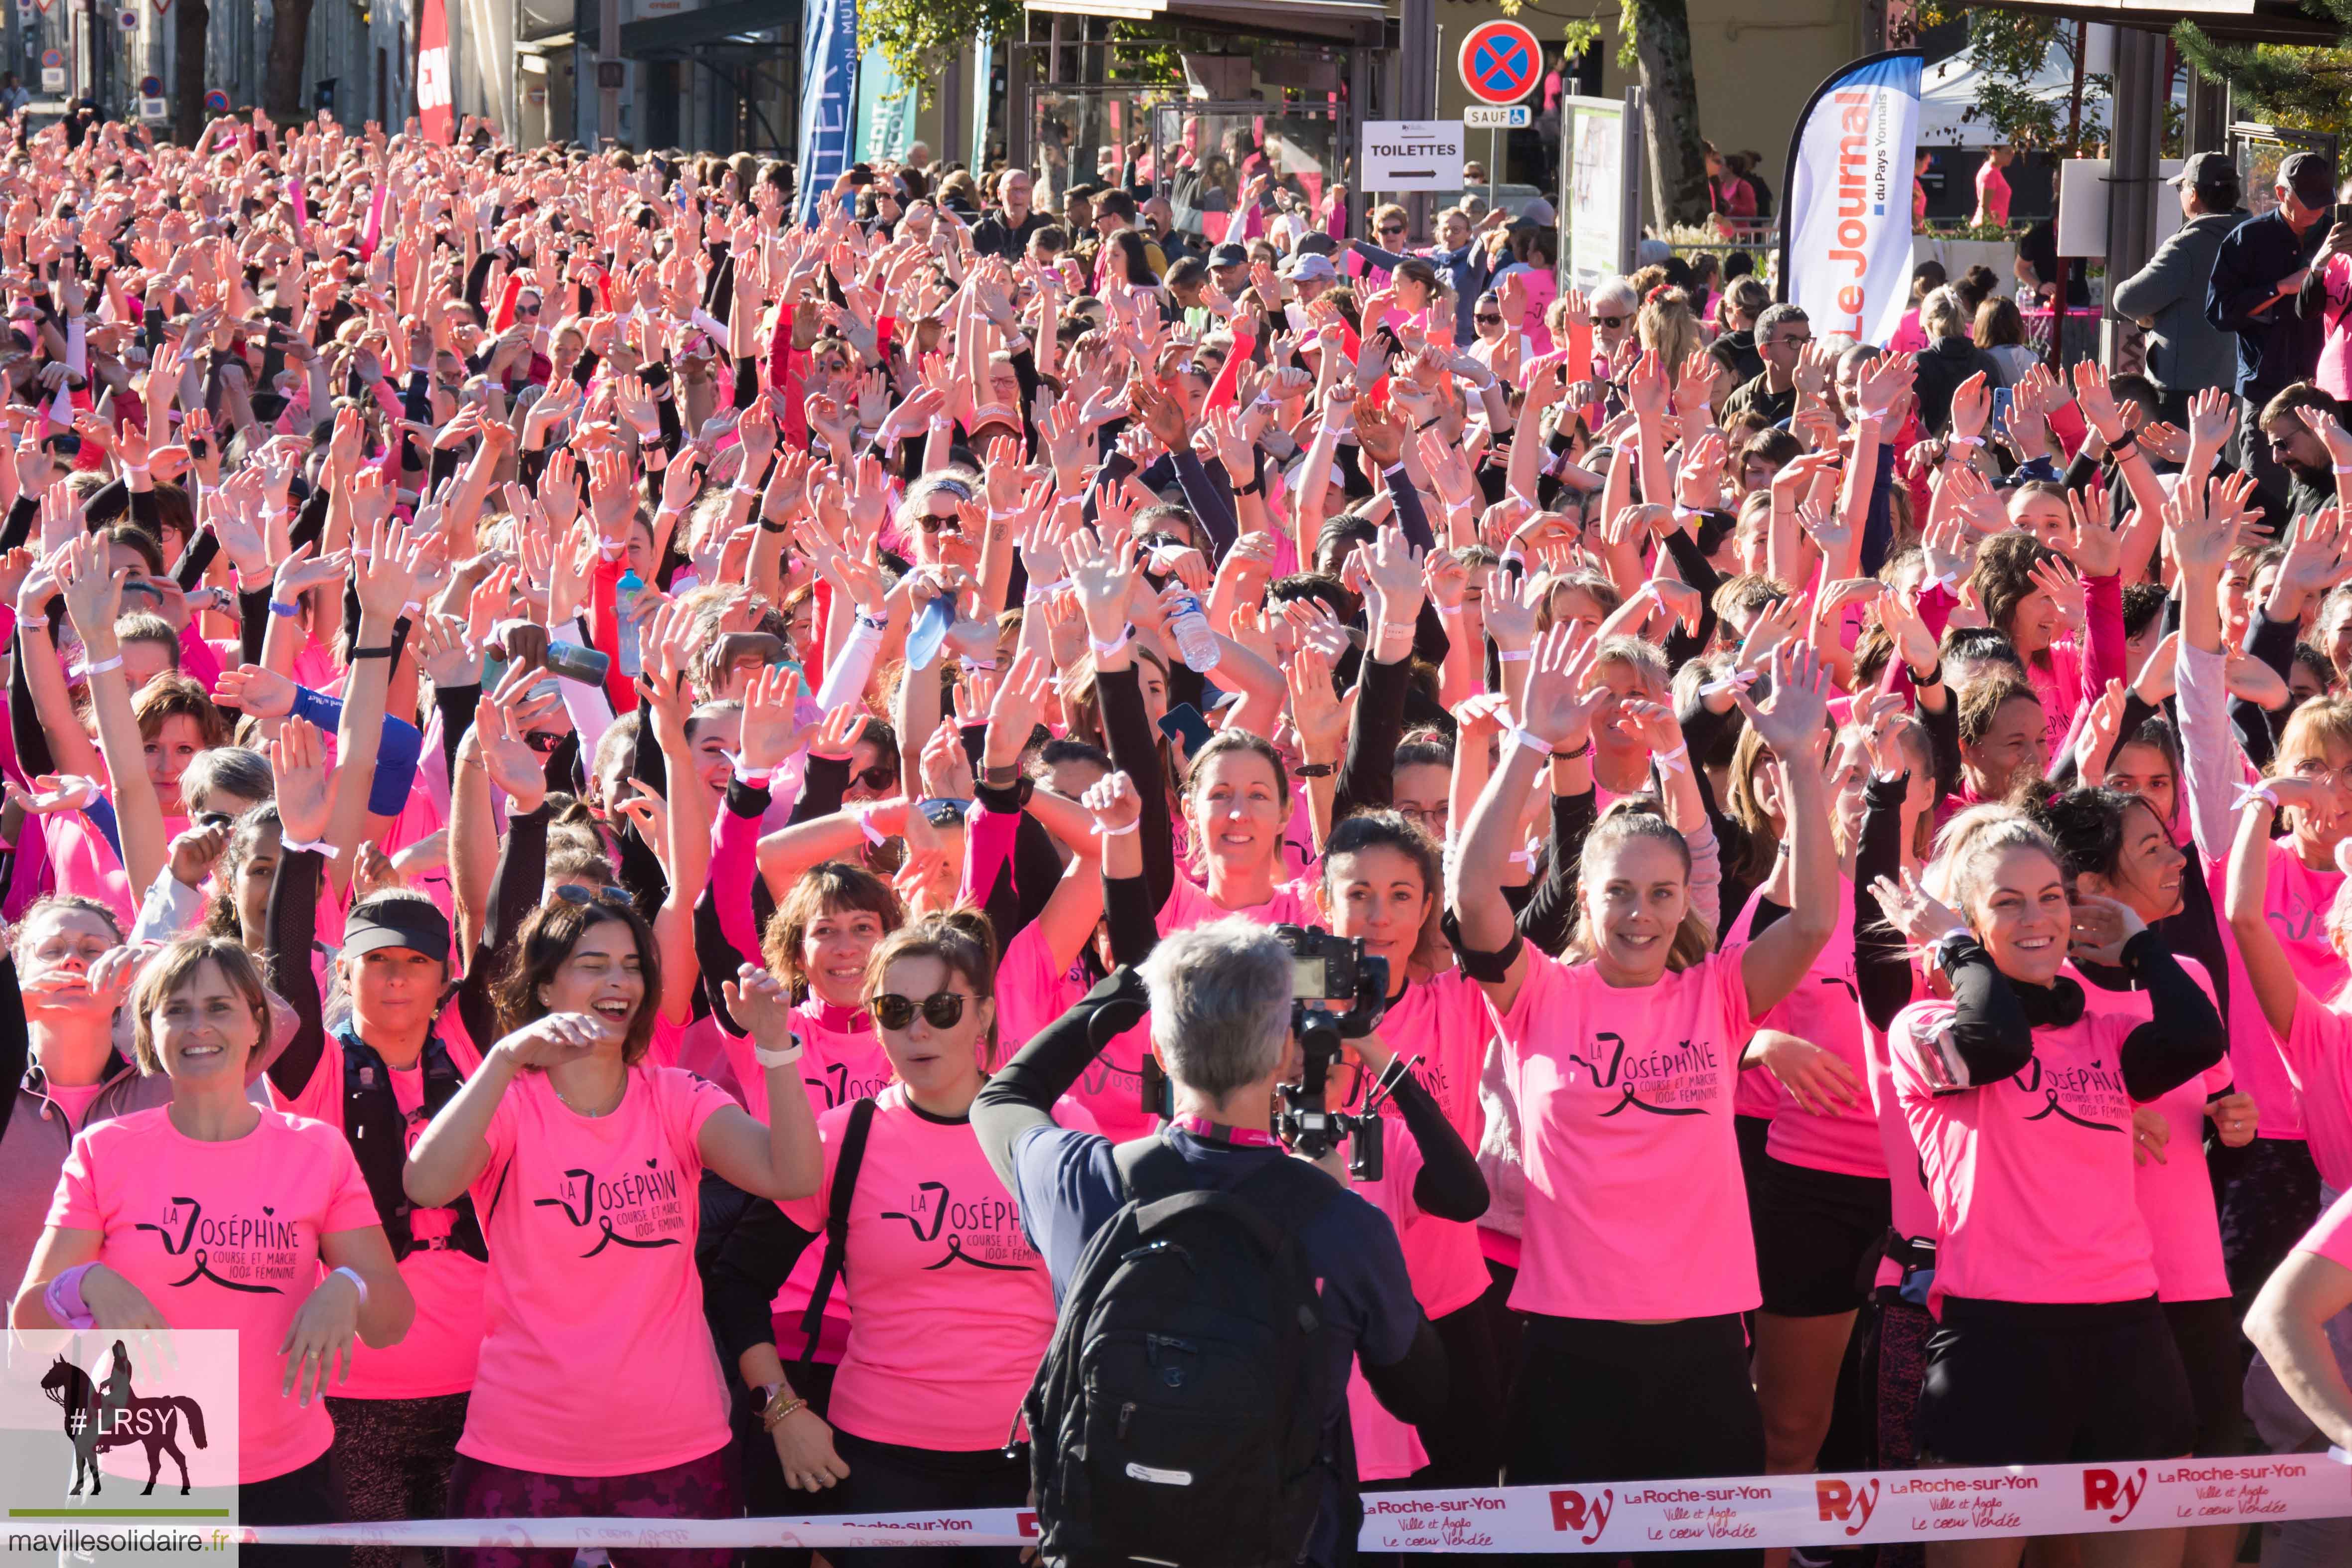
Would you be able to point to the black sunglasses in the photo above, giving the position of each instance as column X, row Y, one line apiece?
column 214, row 819
column 611, row 897
column 881, row 776
column 541, row 740
column 931, row 522
column 1488, row 319
column 1611, row 322
column 1391, row 228
column 940, row 1009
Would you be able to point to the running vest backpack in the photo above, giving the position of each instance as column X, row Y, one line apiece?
column 378, row 1134
column 1179, row 1415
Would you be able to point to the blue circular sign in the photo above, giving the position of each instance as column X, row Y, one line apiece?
column 217, row 102
column 1500, row 61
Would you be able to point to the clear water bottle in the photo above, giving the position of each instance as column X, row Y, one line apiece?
column 1196, row 643
column 624, row 605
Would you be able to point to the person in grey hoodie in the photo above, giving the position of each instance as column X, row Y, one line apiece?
column 2186, row 352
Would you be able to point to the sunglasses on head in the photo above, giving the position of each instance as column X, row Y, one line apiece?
column 611, row 897
column 940, row 1009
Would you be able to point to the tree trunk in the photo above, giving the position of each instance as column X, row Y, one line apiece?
column 191, row 20
column 1670, row 110
column 290, row 43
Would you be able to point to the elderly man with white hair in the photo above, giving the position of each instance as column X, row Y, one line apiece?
column 1010, row 220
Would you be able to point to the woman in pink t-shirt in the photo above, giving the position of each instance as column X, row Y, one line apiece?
column 1637, row 1260
column 2052, row 1344
column 189, row 1215
column 954, row 1306
column 583, row 1163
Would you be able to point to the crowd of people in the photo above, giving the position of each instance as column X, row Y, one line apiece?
column 573, row 737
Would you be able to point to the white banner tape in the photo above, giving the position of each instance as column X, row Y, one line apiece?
column 1613, row 1516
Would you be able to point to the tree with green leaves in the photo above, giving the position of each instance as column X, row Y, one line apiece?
column 2278, row 83
column 1653, row 40
column 2011, row 49
column 921, row 39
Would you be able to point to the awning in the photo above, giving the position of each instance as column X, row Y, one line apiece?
column 2232, row 21
column 1331, row 17
column 660, row 38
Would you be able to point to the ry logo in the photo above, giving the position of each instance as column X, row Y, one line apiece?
column 2104, row 1490
column 1841, row 1502
column 1572, row 1510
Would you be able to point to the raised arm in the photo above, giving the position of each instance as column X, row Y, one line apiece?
column 94, row 597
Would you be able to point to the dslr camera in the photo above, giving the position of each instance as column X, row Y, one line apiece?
column 1327, row 971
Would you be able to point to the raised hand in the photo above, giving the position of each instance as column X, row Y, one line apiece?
column 1912, row 910
column 305, row 782
column 1561, row 698
column 1792, row 722
column 253, row 690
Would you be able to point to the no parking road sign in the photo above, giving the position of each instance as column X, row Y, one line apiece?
column 1500, row 61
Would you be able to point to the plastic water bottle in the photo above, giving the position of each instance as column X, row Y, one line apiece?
column 624, row 605
column 1196, row 643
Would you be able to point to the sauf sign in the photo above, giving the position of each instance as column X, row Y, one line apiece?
column 1846, row 253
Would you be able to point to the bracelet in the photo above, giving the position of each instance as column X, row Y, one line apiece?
column 384, row 652
column 773, row 1416
column 102, row 666
column 1964, row 441
column 319, row 847
column 1105, row 649
column 347, row 1272
column 1542, row 747
column 758, row 778
column 869, row 621
column 1119, row 832
column 1514, row 655
column 1406, row 627
column 1583, row 751
column 864, row 818
column 1313, row 770
column 33, row 622
column 767, row 527
column 1039, row 591
column 2128, row 439
column 1935, row 676
column 1674, row 762
column 63, row 1299
column 781, row 1058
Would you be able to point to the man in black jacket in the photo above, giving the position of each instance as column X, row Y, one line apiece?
column 2256, row 292
column 1219, row 997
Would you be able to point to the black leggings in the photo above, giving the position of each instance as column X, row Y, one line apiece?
column 887, row 1478
column 311, row 1495
column 1600, row 1402
column 395, row 1456
column 1465, row 1444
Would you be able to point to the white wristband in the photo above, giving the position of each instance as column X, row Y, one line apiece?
column 783, row 1058
column 864, row 816
column 357, row 1283
column 1038, row 591
column 1119, row 832
column 315, row 845
column 1105, row 649
column 756, row 778
column 1515, row 655
column 1964, row 441
column 1522, row 737
column 102, row 666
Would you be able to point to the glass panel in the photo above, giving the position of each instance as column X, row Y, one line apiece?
column 1212, row 152
column 1079, row 134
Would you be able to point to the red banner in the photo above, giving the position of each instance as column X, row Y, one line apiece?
column 433, row 72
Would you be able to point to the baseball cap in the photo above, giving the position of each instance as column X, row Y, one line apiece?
column 1312, row 269
column 2208, row 172
column 414, row 924
column 1229, row 256
column 2311, row 177
column 1539, row 213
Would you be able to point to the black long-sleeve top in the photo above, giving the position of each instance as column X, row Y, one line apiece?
column 1128, row 728
column 1882, row 964
column 1994, row 1017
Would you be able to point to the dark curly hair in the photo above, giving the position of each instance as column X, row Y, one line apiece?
column 547, row 938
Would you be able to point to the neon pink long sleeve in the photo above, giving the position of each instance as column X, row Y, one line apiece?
column 734, row 863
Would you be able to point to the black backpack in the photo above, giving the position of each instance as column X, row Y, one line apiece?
column 1178, row 1417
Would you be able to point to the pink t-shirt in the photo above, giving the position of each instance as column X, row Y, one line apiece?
column 2319, row 1063
column 437, row 1355
column 2058, row 684
column 843, row 1062
column 1386, row 1447
column 2332, row 1238
column 2176, row 1193
column 2295, row 901
column 1992, row 194
column 1444, row 1021
column 1032, row 990
column 2333, row 375
column 2032, row 1176
column 1912, row 1212
column 223, row 1236
column 954, row 1306
column 590, row 1222
column 1189, row 905
column 1825, row 1009
column 1635, row 1207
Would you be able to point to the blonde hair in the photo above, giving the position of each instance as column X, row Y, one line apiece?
column 2320, row 722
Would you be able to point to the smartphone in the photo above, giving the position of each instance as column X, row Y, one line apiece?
column 584, row 665
column 860, row 174
column 1183, row 722
column 2001, row 400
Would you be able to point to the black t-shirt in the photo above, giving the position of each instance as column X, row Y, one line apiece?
column 2040, row 249
column 994, row 237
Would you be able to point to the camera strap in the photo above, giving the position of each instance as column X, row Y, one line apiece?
column 1200, row 1127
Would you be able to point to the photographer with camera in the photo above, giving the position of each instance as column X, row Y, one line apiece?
column 1188, row 1263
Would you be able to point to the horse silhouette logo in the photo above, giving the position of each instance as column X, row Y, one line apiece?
column 98, row 1418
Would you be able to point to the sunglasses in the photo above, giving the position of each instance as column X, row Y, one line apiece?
column 1611, row 322
column 1485, row 318
column 940, row 1009
column 611, row 897
column 214, row 819
column 1391, row 228
column 541, row 740
column 881, row 776
column 931, row 522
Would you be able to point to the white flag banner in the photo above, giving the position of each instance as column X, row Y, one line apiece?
column 1846, row 250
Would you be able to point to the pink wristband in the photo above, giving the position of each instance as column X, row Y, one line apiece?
column 63, row 1299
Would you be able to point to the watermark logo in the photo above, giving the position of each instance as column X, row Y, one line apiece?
column 113, row 1414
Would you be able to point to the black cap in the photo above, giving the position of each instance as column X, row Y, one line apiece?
column 397, row 922
column 2206, row 170
column 2311, row 177
column 1230, row 256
